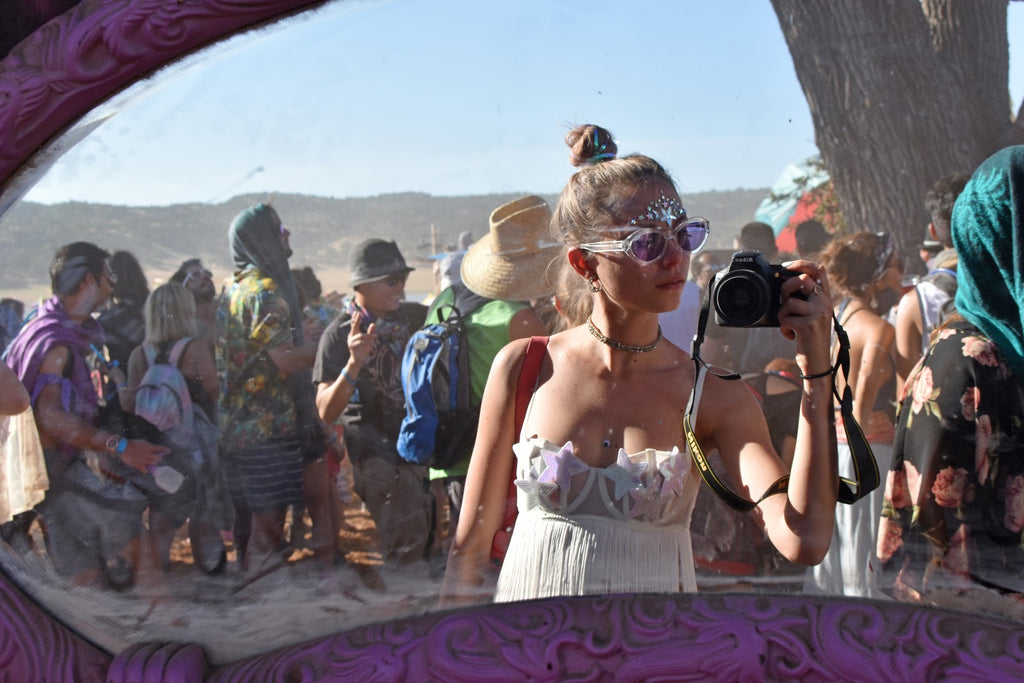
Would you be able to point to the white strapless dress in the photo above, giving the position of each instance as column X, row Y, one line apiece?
column 585, row 530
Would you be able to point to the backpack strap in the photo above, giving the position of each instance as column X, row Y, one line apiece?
column 178, row 350
column 149, row 353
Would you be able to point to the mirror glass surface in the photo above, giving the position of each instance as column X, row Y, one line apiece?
column 409, row 121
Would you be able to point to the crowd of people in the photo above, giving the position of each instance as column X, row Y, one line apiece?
column 592, row 413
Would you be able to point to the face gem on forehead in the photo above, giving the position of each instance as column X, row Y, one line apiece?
column 663, row 210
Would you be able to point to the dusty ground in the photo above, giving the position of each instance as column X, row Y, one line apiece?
column 234, row 616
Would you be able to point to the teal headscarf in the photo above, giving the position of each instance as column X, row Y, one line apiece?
column 988, row 234
column 254, row 238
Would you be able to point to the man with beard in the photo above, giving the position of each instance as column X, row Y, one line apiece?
column 196, row 278
column 270, row 434
column 92, row 514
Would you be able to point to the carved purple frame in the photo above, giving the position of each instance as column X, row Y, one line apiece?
column 80, row 59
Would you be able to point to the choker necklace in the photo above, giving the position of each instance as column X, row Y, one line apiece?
column 629, row 348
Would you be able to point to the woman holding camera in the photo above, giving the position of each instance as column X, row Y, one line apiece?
column 605, row 484
column 867, row 271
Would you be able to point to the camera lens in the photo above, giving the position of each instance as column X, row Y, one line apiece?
column 741, row 298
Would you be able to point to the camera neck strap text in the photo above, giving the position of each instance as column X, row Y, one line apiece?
column 865, row 469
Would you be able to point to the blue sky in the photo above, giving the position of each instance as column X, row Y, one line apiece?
column 458, row 97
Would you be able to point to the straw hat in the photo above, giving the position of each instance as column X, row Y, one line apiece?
column 511, row 261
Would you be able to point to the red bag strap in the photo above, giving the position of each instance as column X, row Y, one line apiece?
column 528, row 378
column 528, row 374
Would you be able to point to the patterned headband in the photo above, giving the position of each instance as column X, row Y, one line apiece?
column 883, row 251
column 73, row 272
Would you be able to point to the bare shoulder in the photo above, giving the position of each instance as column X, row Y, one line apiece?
column 508, row 361
column 881, row 332
column 55, row 360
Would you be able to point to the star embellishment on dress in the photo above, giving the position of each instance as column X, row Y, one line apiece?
column 625, row 474
column 560, row 467
column 674, row 469
column 644, row 500
column 532, row 486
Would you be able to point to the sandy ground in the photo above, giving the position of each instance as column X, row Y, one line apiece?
column 234, row 617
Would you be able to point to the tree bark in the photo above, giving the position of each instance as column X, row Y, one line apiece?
column 902, row 93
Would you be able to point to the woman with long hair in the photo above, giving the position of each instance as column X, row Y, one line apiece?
column 170, row 318
column 866, row 271
column 605, row 485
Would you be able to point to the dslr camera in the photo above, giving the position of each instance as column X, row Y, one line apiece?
column 747, row 293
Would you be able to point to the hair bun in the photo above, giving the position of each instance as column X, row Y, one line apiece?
column 589, row 145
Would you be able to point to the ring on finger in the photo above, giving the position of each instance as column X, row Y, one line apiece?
column 818, row 290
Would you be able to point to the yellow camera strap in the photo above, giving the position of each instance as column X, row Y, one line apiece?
column 865, row 469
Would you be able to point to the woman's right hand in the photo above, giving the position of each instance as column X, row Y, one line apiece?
column 361, row 343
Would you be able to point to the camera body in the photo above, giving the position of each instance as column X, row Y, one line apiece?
column 747, row 293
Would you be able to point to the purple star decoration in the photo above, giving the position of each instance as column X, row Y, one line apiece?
column 674, row 469
column 644, row 500
column 561, row 466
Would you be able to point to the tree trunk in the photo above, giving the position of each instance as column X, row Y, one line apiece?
column 902, row 93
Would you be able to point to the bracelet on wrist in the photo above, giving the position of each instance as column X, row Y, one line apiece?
column 348, row 377
column 116, row 445
column 818, row 375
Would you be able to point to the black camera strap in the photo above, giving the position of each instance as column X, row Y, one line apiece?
column 865, row 469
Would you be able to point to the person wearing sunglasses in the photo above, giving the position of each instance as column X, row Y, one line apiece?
column 93, row 520
column 605, row 485
column 198, row 279
column 359, row 386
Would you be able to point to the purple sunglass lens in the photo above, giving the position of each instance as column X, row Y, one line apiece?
column 648, row 247
column 691, row 237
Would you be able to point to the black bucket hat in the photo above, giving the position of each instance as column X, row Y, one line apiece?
column 375, row 259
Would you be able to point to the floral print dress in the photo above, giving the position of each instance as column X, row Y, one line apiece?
column 953, row 516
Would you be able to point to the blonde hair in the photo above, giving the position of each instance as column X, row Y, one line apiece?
column 170, row 314
column 573, row 300
column 583, row 207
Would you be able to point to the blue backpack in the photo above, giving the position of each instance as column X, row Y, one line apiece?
column 440, row 423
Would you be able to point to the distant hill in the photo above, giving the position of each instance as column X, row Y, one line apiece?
column 323, row 228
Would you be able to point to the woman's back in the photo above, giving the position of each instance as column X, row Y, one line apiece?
column 872, row 370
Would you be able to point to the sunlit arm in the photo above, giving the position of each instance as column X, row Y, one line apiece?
column 56, row 425
column 800, row 522
column 909, row 327
column 800, row 525
column 332, row 397
column 467, row 579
